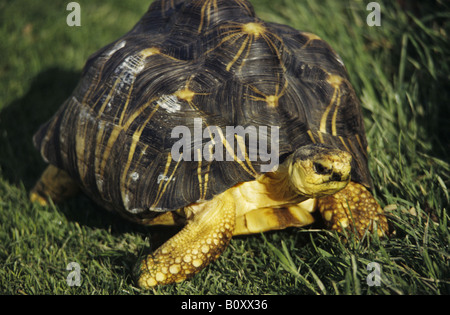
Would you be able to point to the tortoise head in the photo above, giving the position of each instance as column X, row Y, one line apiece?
column 317, row 170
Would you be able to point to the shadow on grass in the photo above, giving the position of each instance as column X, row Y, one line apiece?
column 20, row 162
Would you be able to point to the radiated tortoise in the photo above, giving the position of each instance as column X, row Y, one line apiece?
column 206, row 116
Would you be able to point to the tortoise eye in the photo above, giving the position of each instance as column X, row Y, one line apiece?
column 321, row 169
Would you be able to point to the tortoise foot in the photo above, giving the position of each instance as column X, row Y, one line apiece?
column 354, row 206
column 54, row 184
column 200, row 242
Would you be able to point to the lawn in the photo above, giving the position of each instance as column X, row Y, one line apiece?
column 401, row 73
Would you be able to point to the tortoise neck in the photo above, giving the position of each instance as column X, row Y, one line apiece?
column 278, row 183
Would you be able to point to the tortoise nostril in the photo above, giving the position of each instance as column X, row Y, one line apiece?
column 336, row 177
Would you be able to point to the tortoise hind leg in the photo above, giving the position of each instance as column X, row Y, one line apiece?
column 201, row 241
column 353, row 206
column 55, row 184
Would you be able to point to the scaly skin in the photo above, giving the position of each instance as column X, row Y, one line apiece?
column 201, row 241
column 54, row 184
column 354, row 206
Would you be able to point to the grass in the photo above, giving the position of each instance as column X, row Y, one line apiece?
column 400, row 72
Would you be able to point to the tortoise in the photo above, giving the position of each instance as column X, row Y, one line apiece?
column 205, row 116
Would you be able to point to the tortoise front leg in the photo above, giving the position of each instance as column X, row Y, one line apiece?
column 55, row 184
column 201, row 241
column 353, row 206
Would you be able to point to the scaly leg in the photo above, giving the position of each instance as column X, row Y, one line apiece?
column 353, row 206
column 202, row 240
column 55, row 184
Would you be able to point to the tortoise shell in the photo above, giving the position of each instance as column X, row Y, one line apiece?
column 197, row 64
